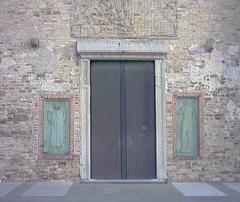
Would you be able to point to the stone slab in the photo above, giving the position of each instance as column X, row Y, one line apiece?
column 6, row 187
column 197, row 189
column 233, row 185
column 48, row 189
column 121, row 46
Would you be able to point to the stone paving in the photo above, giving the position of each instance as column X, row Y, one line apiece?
column 104, row 192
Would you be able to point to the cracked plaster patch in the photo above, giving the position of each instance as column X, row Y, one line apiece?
column 7, row 62
column 215, row 71
column 196, row 49
column 42, row 60
column 233, row 112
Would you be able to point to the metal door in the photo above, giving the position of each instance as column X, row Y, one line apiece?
column 123, row 120
column 140, row 120
column 105, row 120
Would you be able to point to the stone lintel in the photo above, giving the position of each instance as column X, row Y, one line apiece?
column 87, row 46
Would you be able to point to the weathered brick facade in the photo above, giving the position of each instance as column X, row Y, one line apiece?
column 204, row 56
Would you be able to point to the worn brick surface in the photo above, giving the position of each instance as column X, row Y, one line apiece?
column 26, row 72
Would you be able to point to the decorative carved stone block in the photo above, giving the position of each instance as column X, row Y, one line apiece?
column 124, row 18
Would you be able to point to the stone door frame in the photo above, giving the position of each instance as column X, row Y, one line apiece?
column 107, row 52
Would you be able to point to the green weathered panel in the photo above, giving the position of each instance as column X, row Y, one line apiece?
column 56, row 127
column 187, row 126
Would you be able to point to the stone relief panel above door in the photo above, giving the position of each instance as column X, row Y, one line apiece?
column 124, row 18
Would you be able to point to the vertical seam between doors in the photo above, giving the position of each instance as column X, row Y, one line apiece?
column 123, row 119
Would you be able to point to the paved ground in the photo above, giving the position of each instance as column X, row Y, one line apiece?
column 103, row 192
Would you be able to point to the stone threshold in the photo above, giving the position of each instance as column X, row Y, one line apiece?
column 123, row 181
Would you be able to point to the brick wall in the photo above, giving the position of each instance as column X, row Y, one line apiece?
column 192, row 66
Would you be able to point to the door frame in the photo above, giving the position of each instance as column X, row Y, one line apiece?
column 85, row 106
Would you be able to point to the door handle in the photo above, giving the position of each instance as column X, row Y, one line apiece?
column 143, row 131
column 144, row 128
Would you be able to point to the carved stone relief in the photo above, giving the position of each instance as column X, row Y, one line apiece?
column 124, row 18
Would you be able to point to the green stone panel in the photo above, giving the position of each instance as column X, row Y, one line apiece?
column 56, row 127
column 187, row 127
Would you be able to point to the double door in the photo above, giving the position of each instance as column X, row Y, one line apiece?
column 123, row 120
